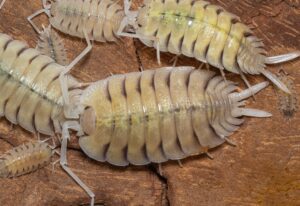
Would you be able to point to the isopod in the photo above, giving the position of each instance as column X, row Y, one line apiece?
column 25, row 159
column 100, row 19
column 51, row 44
column 204, row 31
column 160, row 115
column 287, row 103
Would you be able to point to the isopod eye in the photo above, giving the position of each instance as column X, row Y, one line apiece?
column 88, row 121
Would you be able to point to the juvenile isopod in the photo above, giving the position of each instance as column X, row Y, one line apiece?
column 287, row 103
column 51, row 44
column 204, row 31
column 25, row 159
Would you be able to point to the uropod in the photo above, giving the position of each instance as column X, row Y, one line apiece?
column 203, row 31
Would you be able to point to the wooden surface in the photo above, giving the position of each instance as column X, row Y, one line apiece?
column 264, row 168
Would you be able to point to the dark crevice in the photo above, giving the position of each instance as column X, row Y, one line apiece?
column 137, row 54
column 164, row 181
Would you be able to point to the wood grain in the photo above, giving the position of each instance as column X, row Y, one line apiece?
column 264, row 168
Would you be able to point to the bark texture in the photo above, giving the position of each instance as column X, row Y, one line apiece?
column 264, row 168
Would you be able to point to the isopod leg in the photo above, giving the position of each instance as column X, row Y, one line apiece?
column 45, row 5
column 223, row 74
column 81, row 184
column 63, row 158
column 247, row 83
column 160, row 169
column 174, row 60
column 154, row 39
column 230, row 142
column 62, row 77
column 209, row 155
column 180, row 163
column 2, row 3
column 202, row 64
column 29, row 18
column 128, row 20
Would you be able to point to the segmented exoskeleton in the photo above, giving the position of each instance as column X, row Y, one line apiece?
column 157, row 115
column 25, row 159
column 51, row 44
column 287, row 103
column 30, row 88
column 204, row 31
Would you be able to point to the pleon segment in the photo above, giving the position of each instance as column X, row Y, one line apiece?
column 183, row 111
column 168, row 133
column 153, row 137
column 200, row 117
column 117, row 151
column 136, row 153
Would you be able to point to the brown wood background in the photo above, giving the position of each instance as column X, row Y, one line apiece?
column 264, row 168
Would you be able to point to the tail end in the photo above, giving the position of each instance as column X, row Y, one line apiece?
column 275, row 80
column 282, row 58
